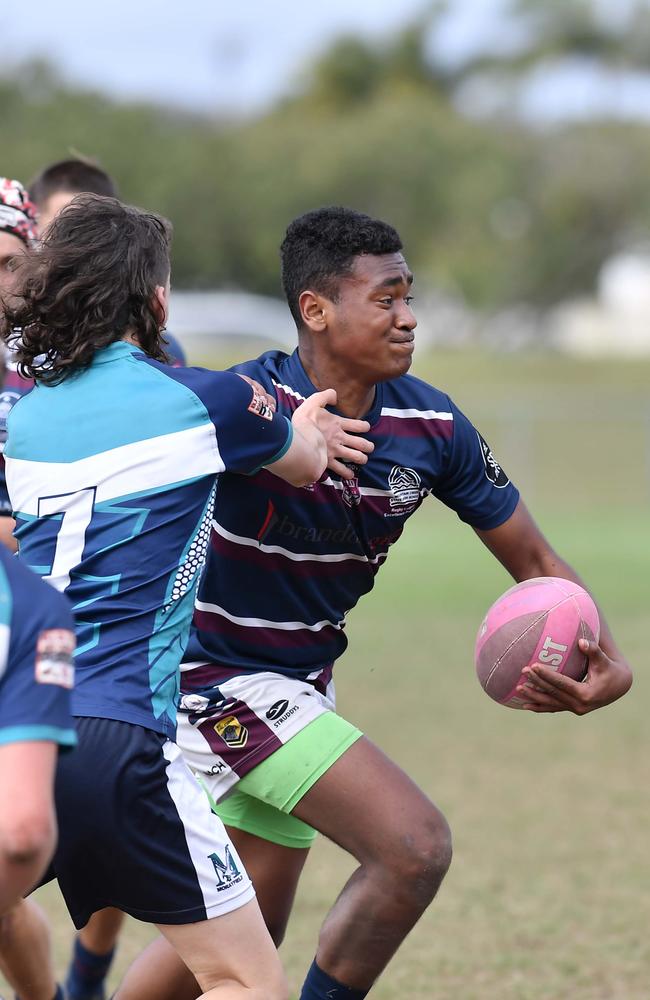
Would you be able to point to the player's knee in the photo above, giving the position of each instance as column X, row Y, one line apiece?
column 28, row 840
column 423, row 860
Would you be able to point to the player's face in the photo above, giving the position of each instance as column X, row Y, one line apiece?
column 371, row 325
column 51, row 207
column 12, row 249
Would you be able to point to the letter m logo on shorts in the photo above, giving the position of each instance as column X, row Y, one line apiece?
column 227, row 871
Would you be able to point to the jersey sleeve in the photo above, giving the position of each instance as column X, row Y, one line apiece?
column 249, row 433
column 36, row 685
column 474, row 484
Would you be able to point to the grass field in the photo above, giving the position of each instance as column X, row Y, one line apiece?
column 548, row 897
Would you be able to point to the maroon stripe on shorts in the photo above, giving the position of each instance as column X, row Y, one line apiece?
column 245, row 742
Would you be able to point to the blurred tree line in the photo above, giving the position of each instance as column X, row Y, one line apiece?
column 496, row 210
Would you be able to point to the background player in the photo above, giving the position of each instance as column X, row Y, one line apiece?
column 260, row 721
column 36, row 675
column 17, row 232
column 55, row 187
column 113, row 510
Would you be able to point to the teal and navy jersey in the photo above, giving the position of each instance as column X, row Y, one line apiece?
column 111, row 474
column 36, row 647
column 15, row 387
column 287, row 564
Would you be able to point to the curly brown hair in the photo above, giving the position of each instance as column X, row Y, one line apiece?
column 91, row 282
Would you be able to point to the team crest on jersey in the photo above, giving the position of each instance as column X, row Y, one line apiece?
column 232, row 731
column 405, row 490
column 54, row 650
column 493, row 470
column 260, row 406
column 351, row 493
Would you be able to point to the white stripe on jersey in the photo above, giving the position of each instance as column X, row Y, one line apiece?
column 289, row 391
column 389, row 411
column 365, row 491
column 296, row 556
column 142, row 466
column 214, row 609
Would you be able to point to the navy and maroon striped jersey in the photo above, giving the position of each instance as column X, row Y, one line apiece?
column 286, row 564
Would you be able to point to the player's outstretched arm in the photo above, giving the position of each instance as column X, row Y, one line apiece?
column 521, row 548
column 322, row 440
column 27, row 818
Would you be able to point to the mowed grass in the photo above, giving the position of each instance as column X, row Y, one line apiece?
column 548, row 897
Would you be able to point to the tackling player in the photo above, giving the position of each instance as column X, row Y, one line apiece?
column 284, row 568
column 114, row 509
column 24, row 930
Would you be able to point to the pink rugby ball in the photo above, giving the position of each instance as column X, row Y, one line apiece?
column 537, row 621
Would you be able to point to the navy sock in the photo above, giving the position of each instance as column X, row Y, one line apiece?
column 319, row 986
column 86, row 973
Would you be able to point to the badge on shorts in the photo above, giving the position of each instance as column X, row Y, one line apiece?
column 231, row 731
column 54, row 649
column 259, row 405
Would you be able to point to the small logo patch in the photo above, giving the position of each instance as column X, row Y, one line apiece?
column 493, row 470
column 351, row 493
column 405, row 489
column 54, row 650
column 227, row 871
column 231, row 731
column 260, row 406
column 279, row 708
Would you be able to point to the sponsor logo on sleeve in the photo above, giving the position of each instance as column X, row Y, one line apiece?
column 493, row 470
column 54, row 651
column 260, row 406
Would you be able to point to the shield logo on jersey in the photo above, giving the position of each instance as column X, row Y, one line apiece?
column 405, row 489
column 351, row 493
column 231, row 731
column 493, row 470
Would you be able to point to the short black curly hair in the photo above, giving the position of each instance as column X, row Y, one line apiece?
column 319, row 249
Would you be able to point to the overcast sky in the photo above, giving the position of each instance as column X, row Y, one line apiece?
column 207, row 54
column 237, row 57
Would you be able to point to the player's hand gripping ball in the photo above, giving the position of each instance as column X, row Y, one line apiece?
column 537, row 621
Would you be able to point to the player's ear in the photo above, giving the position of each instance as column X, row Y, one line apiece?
column 160, row 304
column 313, row 309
